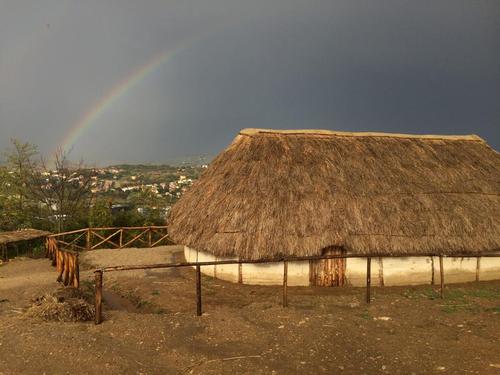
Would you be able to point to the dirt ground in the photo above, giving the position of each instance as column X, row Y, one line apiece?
column 150, row 326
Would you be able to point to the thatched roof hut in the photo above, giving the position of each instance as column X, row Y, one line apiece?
column 293, row 193
column 22, row 235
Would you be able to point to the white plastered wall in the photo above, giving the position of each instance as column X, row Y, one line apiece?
column 384, row 271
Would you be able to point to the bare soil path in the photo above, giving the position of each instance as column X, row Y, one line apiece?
column 150, row 327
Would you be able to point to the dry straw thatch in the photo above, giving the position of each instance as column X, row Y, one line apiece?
column 294, row 193
column 22, row 235
column 64, row 305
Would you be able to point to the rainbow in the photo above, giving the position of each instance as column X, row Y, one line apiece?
column 112, row 96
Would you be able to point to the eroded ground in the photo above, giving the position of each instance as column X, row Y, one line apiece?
column 150, row 327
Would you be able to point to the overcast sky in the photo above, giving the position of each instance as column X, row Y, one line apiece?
column 395, row 66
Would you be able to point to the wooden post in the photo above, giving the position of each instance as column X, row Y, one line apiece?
column 441, row 275
column 98, row 297
column 478, row 267
column 121, row 238
column 285, row 283
column 88, row 244
column 368, row 278
column 149, row 237
column 198, row 290
column 240, row 273
column 433, row 279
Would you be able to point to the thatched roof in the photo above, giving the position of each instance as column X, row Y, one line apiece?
column 274, row 193
column 21, row 235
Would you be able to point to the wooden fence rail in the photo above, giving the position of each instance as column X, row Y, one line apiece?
column 99, row 273
column 114, row 237
column 64, row 248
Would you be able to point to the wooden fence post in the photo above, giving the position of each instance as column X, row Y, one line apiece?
column 240, row 273
column 121, row 238
column 149, row 237
column 441, row 275
column 433, row 278
column 88, row 244
column 285, row 283
column 98, row 297
column 198, row 291
column 368, row 278
column 478, row 267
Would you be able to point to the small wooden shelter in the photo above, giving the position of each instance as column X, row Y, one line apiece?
column 11, row 237
column 275, row 193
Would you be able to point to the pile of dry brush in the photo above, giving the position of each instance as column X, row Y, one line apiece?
column 63, row 305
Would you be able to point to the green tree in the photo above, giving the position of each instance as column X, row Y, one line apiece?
column 150, row 205
column 65, row 191
column 100, row 214
column 17, row 207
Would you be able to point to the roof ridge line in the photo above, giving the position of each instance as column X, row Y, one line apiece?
column 320, row 132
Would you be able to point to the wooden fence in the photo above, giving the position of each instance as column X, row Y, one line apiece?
column 99, row 273
column 64, row 248
column 112, row 237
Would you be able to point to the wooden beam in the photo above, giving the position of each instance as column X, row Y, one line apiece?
column 77, row 238
column 70, row 245
column 134, row 239
column 368, row 278
column 285, row 283
column 433, row 277
column 240, row 273
column 441, row 275
column 478, row 267
column 249, row 261
column 104, row 238
column 98, row 296
column 132, row 228
column 107, row 239
column 198, row 291
column 97, row 234
column 88, row 243
column 161, row 239
column 66, row 233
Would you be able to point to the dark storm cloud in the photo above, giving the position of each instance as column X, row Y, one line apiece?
column 417, row 67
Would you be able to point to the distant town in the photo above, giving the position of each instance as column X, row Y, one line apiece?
column 119, row 181
column 70, row 195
